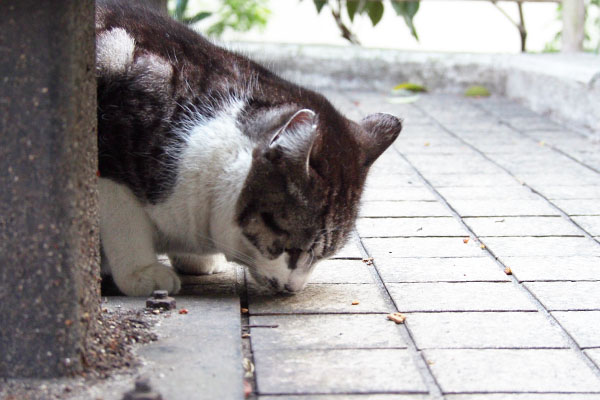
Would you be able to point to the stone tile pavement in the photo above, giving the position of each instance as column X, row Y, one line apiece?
column 471, row 189
column 483, row 225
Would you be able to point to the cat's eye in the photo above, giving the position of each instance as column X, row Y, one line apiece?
column 269, row 221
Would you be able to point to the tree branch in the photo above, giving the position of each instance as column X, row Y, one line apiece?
column 346, row 32
column 519, row 25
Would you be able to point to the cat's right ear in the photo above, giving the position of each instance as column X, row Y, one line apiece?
column 295, row 138
column 380, row 132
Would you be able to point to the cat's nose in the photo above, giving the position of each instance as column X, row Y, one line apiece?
column 290, row 288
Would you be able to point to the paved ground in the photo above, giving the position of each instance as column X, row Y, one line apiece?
column 525, row 192
column 472, row 187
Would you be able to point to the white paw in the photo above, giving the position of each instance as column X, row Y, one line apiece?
column 144, row 280
column 192, row 264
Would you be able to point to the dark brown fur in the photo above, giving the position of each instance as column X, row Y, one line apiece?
column 137, row 116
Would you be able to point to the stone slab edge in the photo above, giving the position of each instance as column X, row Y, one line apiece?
column 565, row 86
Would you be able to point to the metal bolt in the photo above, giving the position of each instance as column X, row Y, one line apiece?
column 142, row 385
column 142, row 391
column 160, row 294
column 160, row 299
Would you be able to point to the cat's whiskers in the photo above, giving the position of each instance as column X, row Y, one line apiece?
column 251, row 261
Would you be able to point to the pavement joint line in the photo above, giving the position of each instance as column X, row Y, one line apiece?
column 429, row 379
column 560, row 280
column 331, row 349
column 549, row 145
column 459, row 236
column 247, row 351
column 506, row 170
column 339, row 394
column 570, row 157
column 572, row 343
column 568, row 217
column 552, row 204
column 519, row 393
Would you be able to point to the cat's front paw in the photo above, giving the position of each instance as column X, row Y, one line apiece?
column 144, row 280
column 191, row 264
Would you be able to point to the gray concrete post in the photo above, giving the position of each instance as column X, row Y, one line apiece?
column 573, row 25
column 49, row 289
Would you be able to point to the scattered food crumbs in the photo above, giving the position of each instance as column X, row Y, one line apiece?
column 244, row 310
column 68, row 322
column 183, row 311
column 482, row 246
column 466, row 240
column 429, row 362
column 156, row 311
column 248, row 368
column 499, row 220
column 368, row 261
column 397, row 317
column 245, row 335
column 247, row 389
column 427, row 144
column 507, row 271
column 355, row 303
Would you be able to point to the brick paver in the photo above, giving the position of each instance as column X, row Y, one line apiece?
column 337, row 371
column 526, row 370
column 583, row 326
column 574, row 268
column 454, row 330
column 467, row 182
column 463, row 269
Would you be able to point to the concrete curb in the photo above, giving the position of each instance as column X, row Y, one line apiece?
column 566, row 86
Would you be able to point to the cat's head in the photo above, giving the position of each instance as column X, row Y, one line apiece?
column 301, row 196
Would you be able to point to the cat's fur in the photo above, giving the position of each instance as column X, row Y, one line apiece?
column 203, row 152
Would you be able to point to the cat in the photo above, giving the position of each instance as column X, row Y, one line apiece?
column 209, row 157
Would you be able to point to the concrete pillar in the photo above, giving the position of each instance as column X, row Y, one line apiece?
column 573, row 25
column 49, row 289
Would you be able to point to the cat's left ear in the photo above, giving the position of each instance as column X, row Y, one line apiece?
column 295, row 138
column 380, row 131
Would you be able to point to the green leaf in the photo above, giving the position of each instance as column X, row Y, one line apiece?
column 477, row 91
column 411, row 87
column 319, row 4
column 352, row 7
column 180, row 8
column 375, row 11
column 408, row 10
column 198, row 17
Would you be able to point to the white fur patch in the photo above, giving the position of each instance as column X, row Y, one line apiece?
column 153, row 68
column 114, row 51
column 213, row 167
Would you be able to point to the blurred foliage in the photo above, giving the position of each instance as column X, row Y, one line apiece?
column 477, row 91
column 374, row 9
column 239, row 15
column 411, row 87
column 592, row 24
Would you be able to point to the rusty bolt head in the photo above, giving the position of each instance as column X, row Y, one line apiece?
column 166, row 302
column 142, row 391
column 160, row 294
column 142, row 385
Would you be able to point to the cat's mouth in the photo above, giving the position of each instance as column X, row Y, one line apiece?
column 272, row 285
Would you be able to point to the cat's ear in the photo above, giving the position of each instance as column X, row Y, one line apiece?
column 380, row 131
column 294, row 139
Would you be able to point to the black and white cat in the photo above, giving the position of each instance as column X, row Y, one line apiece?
column 204, row 153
